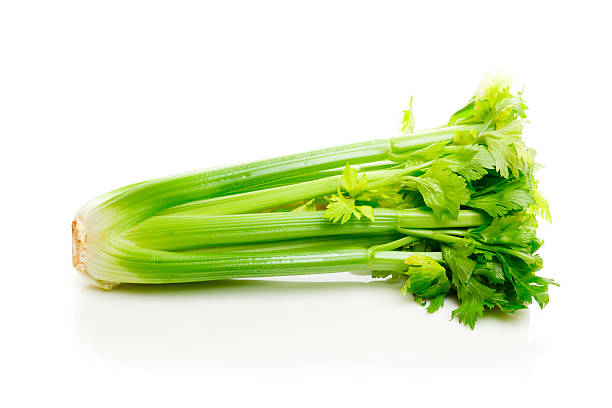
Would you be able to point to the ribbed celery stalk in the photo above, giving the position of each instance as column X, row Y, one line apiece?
column 126, row 263
column 180, row 232
column 111, row 217
column 304, row 244
column 258, row 200
column 100, row 221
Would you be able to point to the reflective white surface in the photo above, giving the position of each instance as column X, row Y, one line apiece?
column 301, row 326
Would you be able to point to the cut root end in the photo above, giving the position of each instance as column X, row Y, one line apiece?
column 79, row 254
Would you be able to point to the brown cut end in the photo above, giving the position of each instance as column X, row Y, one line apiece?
column 79, row 253
column 79, row 245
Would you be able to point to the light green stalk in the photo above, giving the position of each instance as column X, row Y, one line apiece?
column 180, row 232
column 129, row 206
column 103, row 219
column 259, row 200
column 122, row 262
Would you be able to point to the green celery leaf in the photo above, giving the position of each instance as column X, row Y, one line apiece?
column 353, row 185
column 504, row 196
column 436, row 303
column 426, row 277
column 488, row 267
column 367, row 211
column 492, row 105
column 386, row 197
column 508, row 150
column 470, row 310
column 472, row 294
column 341, row 209
column 464, row 137
column 426, row 154
column 408, row 119
column 458, row 259
column 470, row 162
column 443, row 191
column 526, row 284
column 515, row 230
column 539, row 289
column 541, row 206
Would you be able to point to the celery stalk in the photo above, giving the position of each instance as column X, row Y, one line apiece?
column 181, row 232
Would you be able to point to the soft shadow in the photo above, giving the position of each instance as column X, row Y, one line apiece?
column 229, row 286
column 297, row 327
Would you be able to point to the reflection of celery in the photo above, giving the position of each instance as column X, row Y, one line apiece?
column 447, row 210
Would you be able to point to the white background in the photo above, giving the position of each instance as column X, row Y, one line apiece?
column 95, row 95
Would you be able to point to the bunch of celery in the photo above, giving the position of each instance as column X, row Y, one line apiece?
column 442, row 211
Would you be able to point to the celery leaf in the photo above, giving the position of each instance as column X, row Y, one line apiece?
column 470, row 162
column 353, row 184
column 436, row 303
column 508, row 150
column 341, row 209
column 504, row 196
column 426, row 277
column 426, row 154
column 408, row 119
column 488, row 267
column 443, row 191
column 515, row 230
column 367, row 211
column 473, row 294
column 387, row 197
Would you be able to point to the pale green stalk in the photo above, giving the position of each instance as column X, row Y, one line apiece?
column 180, row 232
